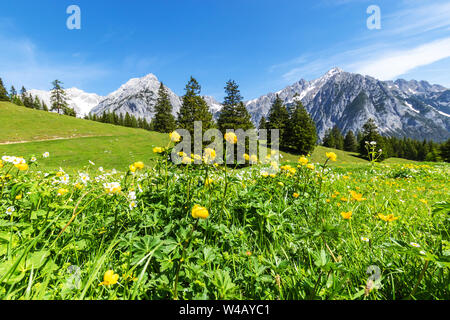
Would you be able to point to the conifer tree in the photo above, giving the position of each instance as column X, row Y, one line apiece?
column 163, row 121
column 58, row 97
column 228, row 118
column 369, row 134
column 278, row 118
column 12, row 93
column 194, row 108
column 300, row 131
column 3, row 93
column 262, row 123
column 350, row 143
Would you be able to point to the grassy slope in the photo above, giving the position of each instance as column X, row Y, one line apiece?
column 107, row 145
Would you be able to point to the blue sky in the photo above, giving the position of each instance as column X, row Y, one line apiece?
column 263, row 45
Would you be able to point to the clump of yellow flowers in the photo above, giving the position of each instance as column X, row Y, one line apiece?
column 331, row 155
column 199, row 212
column 137, row 166
column 230, row 137
column 109, row 278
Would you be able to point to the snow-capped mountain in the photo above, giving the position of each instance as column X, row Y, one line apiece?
column 137, row 97
column 414, row 109
column 401, row 108
column 82, row 102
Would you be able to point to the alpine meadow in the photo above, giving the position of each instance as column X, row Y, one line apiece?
column 332, row 188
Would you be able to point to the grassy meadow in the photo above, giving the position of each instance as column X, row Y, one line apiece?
column 329, row 226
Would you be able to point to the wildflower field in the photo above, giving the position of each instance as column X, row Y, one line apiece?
column 203, row 231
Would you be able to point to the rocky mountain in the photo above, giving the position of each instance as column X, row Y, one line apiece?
column 82, row 102
column 137, row 97
column 414, row 109
column 402, row 108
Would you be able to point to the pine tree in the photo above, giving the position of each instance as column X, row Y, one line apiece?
column 58, row 97
column 262, row 123
column 12, row 93
column 163, row 121
column 350, row 143
column 300, row 131
column 194, row 108
column 328, row 139
column 228, row 118
column 37, row 103
column 369, row 134
column 3, row 93
column 278, row 118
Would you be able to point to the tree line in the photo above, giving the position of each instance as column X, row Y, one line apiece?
column 297, row 130
column 58, row 99
column 390, row 146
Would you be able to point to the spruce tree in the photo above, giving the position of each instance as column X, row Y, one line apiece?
column 163, row 121
column 12, row 93
column 278, row 119
column 350, row 143
column 228, row 118
column 369, row 134
column 262, row 123
column 300, row 131
column 194, row 108
column 58, row 97
column 445, row 151
column 3, row 93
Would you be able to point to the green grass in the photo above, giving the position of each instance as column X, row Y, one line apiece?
column 73, row 142
column 106, row 145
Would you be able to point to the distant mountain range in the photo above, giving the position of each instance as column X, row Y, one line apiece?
column 415, row 109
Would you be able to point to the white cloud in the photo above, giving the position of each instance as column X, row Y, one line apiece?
column 392, row 64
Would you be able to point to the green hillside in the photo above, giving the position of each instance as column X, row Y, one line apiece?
column 73, row 142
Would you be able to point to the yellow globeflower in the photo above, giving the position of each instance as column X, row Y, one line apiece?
column 295, row 195
column 175, row 137
column 132, row 168
column 158, row 150
column 1, row 164
column 139, row 165
column 21, row 166
column 186, row 160
column 231, row 137
column 303, row 161
column 253, row 158
column 199, row 212
column 19, row 196
column 331, row 155
column 109, row 278
column 62, row 192
column 210, row 154
column 346, row 215
column 310, row 166
column 246, row 157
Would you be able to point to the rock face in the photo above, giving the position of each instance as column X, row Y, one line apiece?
column 401, row 108
column 137, row 97
column 413, row 108
column 82, row 102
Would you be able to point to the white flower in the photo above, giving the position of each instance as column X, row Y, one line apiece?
column 364, row 239
column 10, row 210
column 422, row 252
column 100, row 169
column 65, row 179
column 415, row 244
column 46, row 155
column 7, row 158
column 84, row 178
column 133, row 205
column 132, row 195
column 91, row 163
column 18, row 160
column 373, row 143
column 33, row 159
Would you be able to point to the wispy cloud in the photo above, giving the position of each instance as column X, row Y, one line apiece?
column 415, row 36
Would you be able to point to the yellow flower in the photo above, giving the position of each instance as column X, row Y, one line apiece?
column 186, row 160
column 303, row 160
column 281, row 184
column 310, row 166
column 331, row 155
column 246, row 157
column 209, row 181
column 356, row 196
column 139, row 165
column 295, row 195
column 21, row 166
column 113, row 187
column 158, row 150
column 109, row 278
column 62, row 192
column 182, row 154
column 1, row 164
column 253, row 158
column 79, row 186
column 19, row 196
column 423, row 201
column 199, row 212
column 210, row 154
column 346, row 215
column 264, row 174
column 387, row 218
column 230, row 137
column 132, row 168
column 175, row 137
